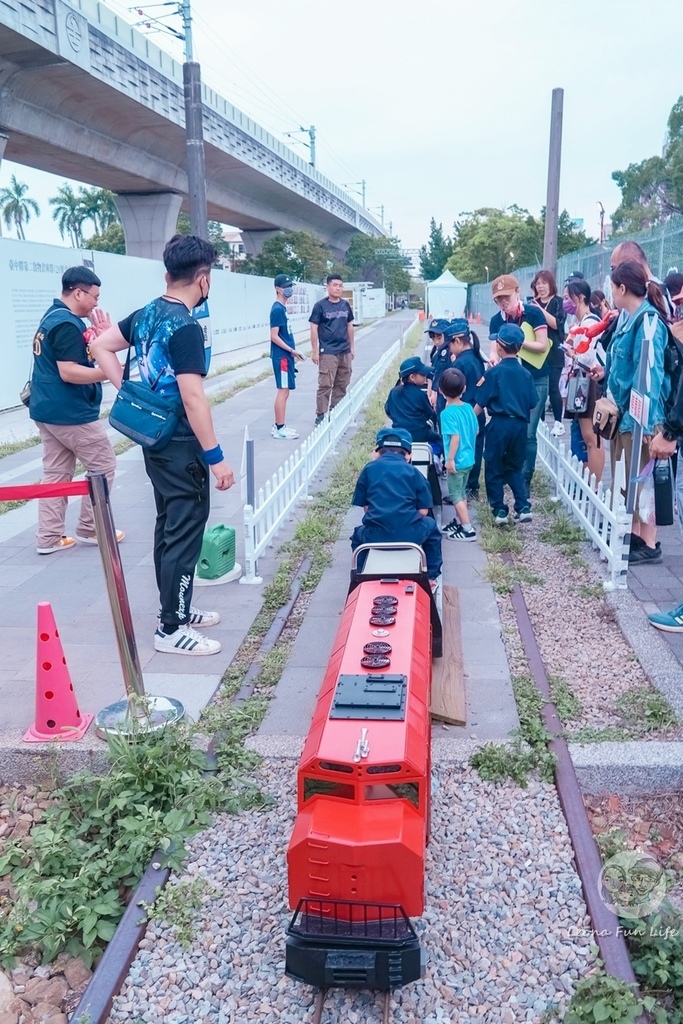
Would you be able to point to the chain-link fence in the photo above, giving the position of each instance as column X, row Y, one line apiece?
column 663, row 247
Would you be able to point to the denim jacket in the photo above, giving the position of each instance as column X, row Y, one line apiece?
column 621, row 368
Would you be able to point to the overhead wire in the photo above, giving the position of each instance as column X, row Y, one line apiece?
column 269, row 101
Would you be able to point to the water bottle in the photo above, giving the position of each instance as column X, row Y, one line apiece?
column 664, row 492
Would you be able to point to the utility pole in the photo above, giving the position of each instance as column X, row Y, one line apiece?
column 381, row 211
column 391, row 229
column 311, row 145
column 602, row 223
column 552, row 203
column 194, row 130
column 362, row 184
column 311, row 135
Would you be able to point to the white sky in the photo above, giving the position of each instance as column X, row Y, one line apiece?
column 442, row 105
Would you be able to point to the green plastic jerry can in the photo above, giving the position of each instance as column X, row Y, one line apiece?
column 218, row 552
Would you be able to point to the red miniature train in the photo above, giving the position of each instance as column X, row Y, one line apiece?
column 356, row 858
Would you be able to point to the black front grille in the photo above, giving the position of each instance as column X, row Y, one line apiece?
column 346, row 922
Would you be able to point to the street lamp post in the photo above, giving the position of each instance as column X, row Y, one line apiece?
column 602, row 223
column 487, row 274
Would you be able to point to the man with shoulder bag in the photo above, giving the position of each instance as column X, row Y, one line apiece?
column 64, row 401
column 170, row 347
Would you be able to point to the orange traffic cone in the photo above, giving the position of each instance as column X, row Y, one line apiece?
column 478, row 320
column 57, row 714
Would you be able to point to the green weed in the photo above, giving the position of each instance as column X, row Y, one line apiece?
column 565, row 700
column 645, row 710
column 180, row 906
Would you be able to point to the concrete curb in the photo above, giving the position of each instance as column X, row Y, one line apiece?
column 636, row 768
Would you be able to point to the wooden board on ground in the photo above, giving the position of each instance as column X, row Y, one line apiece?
column 448, row 679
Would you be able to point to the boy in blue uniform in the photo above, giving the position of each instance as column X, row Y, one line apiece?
column 508, row 392
column 283, row 354
column 408, row 406
column 464, row 344
column 396, row 499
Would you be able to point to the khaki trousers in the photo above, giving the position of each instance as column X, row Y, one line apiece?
column 334, row 375
column 62, row 446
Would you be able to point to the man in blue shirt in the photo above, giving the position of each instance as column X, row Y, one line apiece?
column 533, row 352
column 397, row 499
column 169, row 344
column 332, row 345
column 282, row 354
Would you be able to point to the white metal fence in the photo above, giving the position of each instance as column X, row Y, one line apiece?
column 289, row 485
column 600, row 511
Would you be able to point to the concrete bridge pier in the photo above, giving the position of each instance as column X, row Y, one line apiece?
column 253, row 239
column 149, row 219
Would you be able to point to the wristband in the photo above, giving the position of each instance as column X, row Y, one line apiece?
column 214, row 456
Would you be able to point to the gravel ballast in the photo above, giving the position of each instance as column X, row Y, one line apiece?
column 577, row 632
column 505, row 928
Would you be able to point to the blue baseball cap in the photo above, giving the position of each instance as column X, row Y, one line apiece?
column 457, row 326
column 437, row 326
column 414, row 365
column 394, row 437
column 510, row 336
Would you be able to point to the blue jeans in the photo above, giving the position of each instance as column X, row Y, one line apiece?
column 531, row 442
column 578, row 445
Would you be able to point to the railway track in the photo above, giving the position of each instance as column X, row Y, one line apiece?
column 319, row 1006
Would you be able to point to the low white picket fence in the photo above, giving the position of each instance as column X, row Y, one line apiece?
column 289, row 485
column 600, row 511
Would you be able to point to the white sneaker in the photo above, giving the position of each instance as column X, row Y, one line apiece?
column 558, row 429
column 199, row 618
column 185, row 640
column 284, row 433
column 94, row 541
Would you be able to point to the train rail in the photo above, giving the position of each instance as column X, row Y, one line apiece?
column 319, row 1006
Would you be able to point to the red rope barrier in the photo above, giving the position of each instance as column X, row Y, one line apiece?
column 22, row 492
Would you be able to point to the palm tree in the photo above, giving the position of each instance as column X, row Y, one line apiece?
column 16, row 206
column 99, row 207
column 69, row 212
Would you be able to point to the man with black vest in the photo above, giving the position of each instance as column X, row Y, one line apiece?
column 66, row 394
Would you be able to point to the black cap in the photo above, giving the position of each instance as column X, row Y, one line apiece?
column 283, row 281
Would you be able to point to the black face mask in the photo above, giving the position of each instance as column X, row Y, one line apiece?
column 202, row 299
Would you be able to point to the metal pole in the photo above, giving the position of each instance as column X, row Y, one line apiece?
column 251, row 487
column 116, row 584
column 194, row 131
column 311, row 135
column 552, row 203
column 362, row 184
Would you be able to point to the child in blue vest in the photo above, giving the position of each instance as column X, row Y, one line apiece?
column 396, row 499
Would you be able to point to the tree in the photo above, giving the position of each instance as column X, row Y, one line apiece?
column 489, row 242
column 378, row 260
column 297, row 253
column 16, row 206
column 112, row 239
column 652, row 190
column 99, row 206
column 436, row 253
column 70, row 213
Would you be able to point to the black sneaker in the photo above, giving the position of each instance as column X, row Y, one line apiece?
column 319, row 419
column 645, row 555
column 636, row 542
column 524, row 515
column 463, row 534
column 453, row 525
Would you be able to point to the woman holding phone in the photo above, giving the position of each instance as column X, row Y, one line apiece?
column 545, row 297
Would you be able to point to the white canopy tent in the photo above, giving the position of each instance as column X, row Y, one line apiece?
column 446, row 297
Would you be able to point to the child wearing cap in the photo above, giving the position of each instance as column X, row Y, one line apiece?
column 507, row 391
column 282, row 354
column 459, row 428
column 465, row 346
column 396, row 499
column 408, row 406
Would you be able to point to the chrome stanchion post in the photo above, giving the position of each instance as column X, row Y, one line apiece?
column 137, row 712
